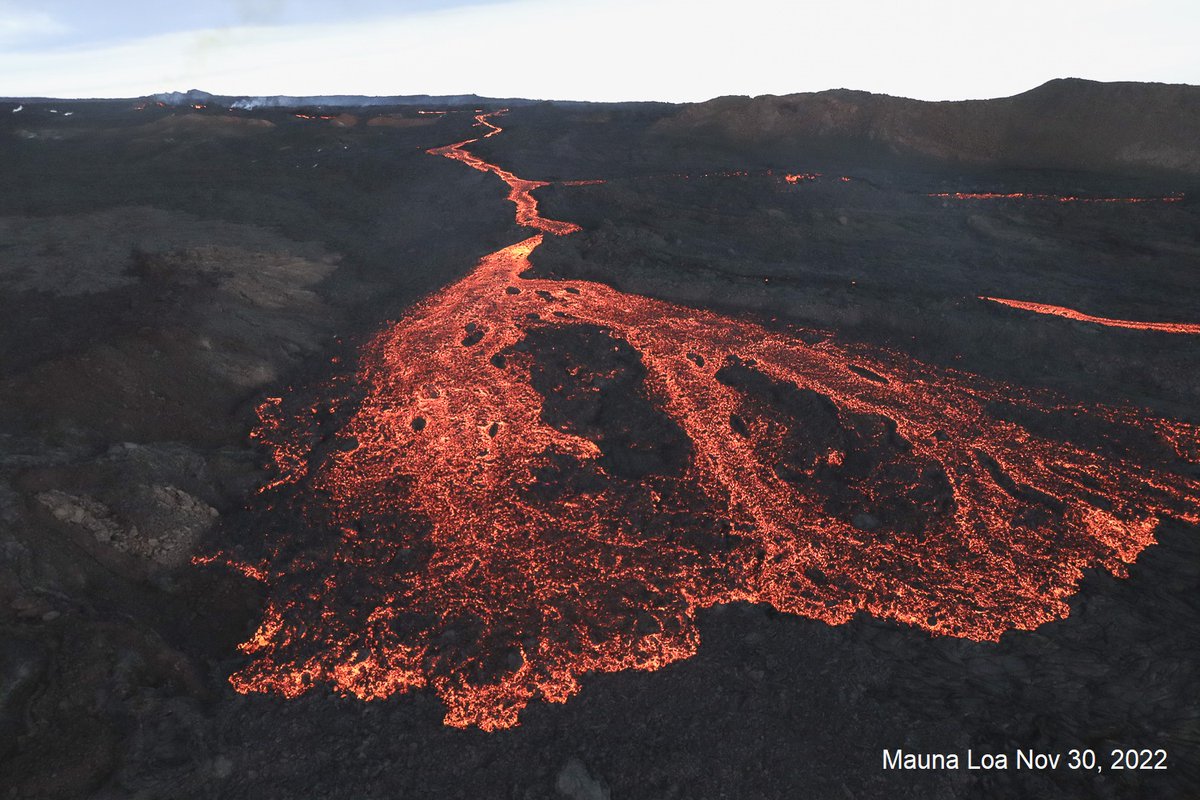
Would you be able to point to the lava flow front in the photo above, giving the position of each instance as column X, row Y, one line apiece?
column 528, row 480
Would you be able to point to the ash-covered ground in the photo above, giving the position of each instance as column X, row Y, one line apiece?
column 162, row 271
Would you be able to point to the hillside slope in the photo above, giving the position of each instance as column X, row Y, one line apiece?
column 1063, row 124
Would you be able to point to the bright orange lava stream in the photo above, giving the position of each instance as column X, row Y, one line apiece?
column 520, row 190
column 482, row 543
column 1070, row 313
column 1057, row 198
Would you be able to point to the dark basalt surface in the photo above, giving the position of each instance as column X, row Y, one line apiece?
column 593, row 386
column 159, row 278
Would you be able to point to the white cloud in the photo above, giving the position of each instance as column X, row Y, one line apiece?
column 653, row 49
column 19, row 27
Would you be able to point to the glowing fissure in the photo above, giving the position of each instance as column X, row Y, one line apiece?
column 1070, row 313
column 1056, row 198
column 787, row 177
column 484, row 527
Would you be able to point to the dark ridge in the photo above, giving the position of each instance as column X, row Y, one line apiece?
column 1063, row 124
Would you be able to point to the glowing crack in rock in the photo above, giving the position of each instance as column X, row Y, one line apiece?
column 468, row 514
column 1056, row 198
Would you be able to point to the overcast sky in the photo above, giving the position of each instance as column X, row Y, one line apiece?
column 678, row 50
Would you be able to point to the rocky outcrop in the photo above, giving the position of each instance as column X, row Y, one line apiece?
column 172, row 522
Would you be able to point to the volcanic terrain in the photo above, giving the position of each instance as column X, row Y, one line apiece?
column 598, row 450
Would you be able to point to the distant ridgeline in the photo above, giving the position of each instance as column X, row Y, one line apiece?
column 1066, row 124
column 1063, row 124
column 195, row 96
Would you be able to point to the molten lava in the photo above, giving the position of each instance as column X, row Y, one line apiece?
column 528, row 480
column 520, row 190
column 1056, row 198
column 1070, row 313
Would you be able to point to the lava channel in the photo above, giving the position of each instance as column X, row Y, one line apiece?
column 1054, row 198
column 1079, row 316
column 529, row 480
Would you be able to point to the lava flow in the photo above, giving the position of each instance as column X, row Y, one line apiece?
column 528, row 480
column 1056, row 198
column 520, row 190
column 1070, row 313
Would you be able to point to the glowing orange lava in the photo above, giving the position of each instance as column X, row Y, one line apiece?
column 1057, row 198
column 536, row 479
column 1070, row 313
column 520, row 190
column 791, row 177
